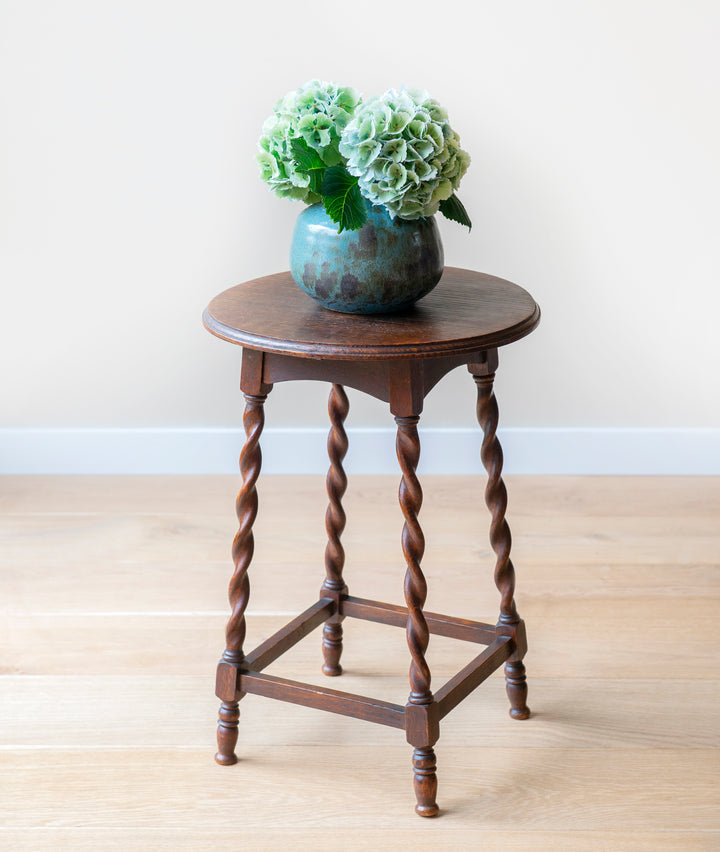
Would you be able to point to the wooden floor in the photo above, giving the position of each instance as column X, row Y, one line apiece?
column 113, row 608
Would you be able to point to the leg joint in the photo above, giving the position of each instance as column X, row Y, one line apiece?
column 422, row 724
column 517, row 632
column 226, row 682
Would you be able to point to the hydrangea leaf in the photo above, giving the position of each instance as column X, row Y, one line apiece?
column 309, row 162
column 343, row 202
column 453, row 208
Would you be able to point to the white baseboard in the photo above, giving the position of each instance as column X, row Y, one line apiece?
column 456, row 451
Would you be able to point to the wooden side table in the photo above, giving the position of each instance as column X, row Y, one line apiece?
column 397, row 358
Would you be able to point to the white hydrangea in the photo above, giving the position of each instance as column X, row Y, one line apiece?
column 404, row 153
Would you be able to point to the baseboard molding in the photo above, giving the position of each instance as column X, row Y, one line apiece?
column 573, row 451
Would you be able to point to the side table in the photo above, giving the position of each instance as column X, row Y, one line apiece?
column 397, row 358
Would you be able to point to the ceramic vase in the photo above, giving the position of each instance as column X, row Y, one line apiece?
column 383, row 267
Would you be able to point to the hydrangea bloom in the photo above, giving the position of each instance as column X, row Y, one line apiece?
column 316, row 112
column 404, row 153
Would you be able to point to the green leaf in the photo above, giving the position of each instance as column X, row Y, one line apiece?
column 309, row 162
column 343, row 202
column 453, row 208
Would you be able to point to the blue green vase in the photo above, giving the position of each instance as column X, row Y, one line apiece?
column 384, row 266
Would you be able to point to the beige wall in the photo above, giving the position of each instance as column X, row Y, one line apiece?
column 129, row 197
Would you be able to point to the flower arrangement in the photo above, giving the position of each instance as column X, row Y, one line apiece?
column 397, row 151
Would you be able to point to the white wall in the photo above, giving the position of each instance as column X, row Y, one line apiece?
column 129, row 197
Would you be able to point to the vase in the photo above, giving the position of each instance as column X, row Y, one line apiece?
column 385, row 266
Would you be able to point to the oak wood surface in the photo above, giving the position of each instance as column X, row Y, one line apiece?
column 467, row 312
column 574, row 713
column 107, row 615
column 140, row 839
column 548, row 786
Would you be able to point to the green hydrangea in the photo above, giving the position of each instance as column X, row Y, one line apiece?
column 316, row 112
column 404, row 153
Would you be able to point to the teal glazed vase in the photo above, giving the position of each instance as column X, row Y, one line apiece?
column 385, row 266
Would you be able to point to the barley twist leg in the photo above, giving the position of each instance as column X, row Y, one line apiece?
column 336, row 484
column 413, row 545
column 500, row 538
column 242, row 552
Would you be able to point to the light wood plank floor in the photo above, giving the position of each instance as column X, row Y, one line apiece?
column 112, row 618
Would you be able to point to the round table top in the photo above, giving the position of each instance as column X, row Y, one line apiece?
column 467, row 312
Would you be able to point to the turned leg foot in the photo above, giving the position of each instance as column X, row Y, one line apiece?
column 425, row 782
column 332, row 648
column 227, row 733
column 516, row 684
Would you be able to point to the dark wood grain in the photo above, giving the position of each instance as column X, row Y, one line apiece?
column 413, row 546
column 246, row 507
column 425, row 781
column 345, row 703
column 336, row 484
column 439, row 625
column 402, row 402
column 500, row 537
column 397, row 358
column 475, row 672
column 372, row 377
column 467, row 312
column 516, row 687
